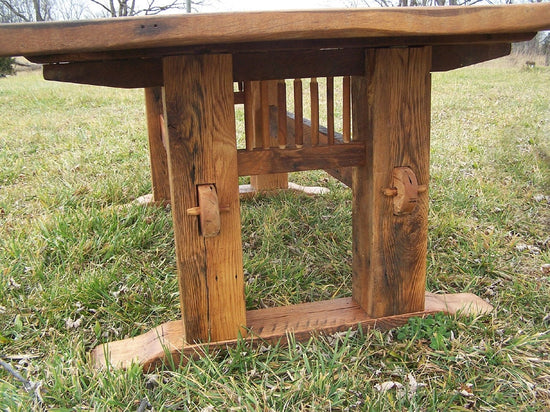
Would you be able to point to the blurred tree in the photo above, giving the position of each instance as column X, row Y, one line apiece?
column 413, row 3
column 6, row 66
column 122, row 8
column 17, row 11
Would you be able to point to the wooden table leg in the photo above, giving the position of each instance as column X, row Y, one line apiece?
column 391, row 106
column 157, row 151
column 201, row 150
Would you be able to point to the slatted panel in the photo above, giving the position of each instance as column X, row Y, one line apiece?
column 282, row 132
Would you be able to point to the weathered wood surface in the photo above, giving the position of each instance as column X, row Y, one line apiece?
column 201, row 150
column 283, row 45
column 228, row 28
column 289, row 64
column 298, row 113
column 346, row 109
column 275, row 160
column 330, row 110
column 281, row 114
column 391, row 116
column 136, row 73
column 314, row 105
column 293, row 64
column 157, row 152
column 264, row 135
column 251, row 107
column 272, row 325
column 344, row 174
column 453, row 57
column 209, row 209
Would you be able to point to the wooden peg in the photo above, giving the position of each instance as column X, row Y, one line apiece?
column 208, row 210
column 405, row 191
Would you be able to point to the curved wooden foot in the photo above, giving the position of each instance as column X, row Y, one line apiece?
column 166, row 343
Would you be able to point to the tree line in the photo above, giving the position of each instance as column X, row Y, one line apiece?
column 25, row 11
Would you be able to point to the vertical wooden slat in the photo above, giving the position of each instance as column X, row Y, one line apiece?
column 391, row 114
column 314, row 98
column 250, row 120
column 272, row 181
column 346, row 112
column 330, row 109
column 264, row 93
column 298, row 113
column 200, row 117
column 281, row 110
column 157, row 152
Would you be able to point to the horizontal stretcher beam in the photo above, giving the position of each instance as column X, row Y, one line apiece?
column 147, row 72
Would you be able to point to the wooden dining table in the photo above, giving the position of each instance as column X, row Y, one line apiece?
column 195, row 68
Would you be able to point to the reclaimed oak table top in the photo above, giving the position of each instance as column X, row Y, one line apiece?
column 203, row 33
column 188, row 65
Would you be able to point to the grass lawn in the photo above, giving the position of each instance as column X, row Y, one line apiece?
column 81, row 264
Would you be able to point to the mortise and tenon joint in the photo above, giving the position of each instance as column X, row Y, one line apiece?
column 404, row 190
column 208, row 210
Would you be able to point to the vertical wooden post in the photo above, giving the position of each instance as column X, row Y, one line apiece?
column 251, row 97
column 330, row 110
column 157, row 152
column 314, row 99
column 200, row 117
column 346, row 113
column 281, row 114
column 298, row 113
column 264, row 98
column 272, row 181
column 391, row 114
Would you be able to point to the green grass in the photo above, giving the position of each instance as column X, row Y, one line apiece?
column 81, row 265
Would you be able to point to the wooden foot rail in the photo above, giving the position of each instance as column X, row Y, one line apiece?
column 165, row 343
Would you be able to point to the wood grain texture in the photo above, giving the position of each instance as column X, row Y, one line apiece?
column 264, row 125
column 314, row 103
column 294, row 64
column 157, row 151
column 330, row 109
column 275, row 160
column 343, row 174
column 141, row 73
column 198, row 99
column 453, row 57
column 135, row 73
column 265, row 93
column 453, row 303
column 281, row 114
column 209, row 209
column 228, row 28
column 251, row 104
column 298, row 113
column 271, row 325
column 284, row 45
column 346, row 108
column 391, row 115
